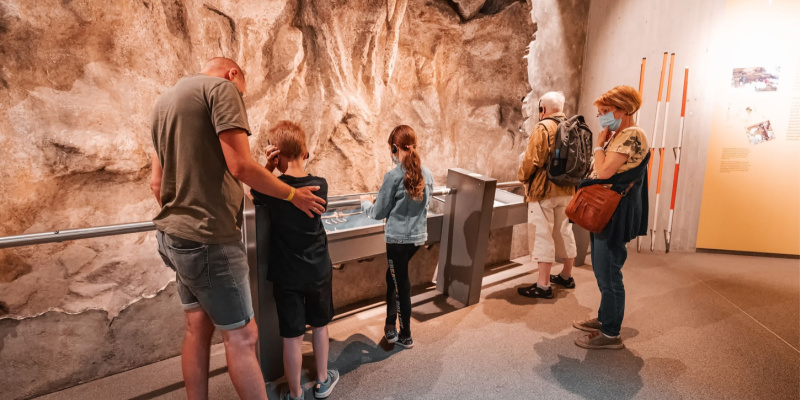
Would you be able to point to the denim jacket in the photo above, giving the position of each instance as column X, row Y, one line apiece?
column 406, row 219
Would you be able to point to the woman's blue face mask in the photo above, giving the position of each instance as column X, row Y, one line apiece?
column 607, row 120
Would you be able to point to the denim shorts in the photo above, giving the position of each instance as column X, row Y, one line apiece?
column 211, row 277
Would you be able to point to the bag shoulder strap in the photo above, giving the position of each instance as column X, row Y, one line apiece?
column 628, row 189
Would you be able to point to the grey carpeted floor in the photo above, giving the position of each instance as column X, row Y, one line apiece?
column 697, row 326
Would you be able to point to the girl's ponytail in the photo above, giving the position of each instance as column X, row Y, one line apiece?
column 414, row 182
column 405, row 138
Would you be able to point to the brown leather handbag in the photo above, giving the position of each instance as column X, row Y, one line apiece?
column 593, row 206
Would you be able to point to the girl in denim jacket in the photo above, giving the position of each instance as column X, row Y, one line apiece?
column 403, row 201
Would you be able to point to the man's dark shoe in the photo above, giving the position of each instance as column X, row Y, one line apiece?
column 559, row 280
column 536, row 292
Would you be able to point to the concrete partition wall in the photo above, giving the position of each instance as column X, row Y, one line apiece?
column 620, row 33
column 465, row 235
column 270, row 344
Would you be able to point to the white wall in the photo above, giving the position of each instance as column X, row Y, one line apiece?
column 620, row 33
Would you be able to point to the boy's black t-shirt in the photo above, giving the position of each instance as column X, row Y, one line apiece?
column 298, row 248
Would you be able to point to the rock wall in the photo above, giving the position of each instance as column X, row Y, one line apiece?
column 78, row 80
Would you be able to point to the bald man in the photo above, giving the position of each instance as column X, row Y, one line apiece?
column 201, row 158
column 549, row 230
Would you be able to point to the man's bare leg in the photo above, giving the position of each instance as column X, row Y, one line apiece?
column 293, row 363
column 544, row 274
column 566, row 272
column 195, row 353
column 321, row 345
column 240, row 351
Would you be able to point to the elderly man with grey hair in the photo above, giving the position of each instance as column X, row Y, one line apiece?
column 549, row 230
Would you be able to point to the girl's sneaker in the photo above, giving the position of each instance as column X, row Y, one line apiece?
column 391, row 335
column 405, row 343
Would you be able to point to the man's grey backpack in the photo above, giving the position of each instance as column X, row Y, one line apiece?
column 571, row 155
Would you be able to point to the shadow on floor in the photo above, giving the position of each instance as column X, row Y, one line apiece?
column 540, row 315
column 175, row 386
column 601, row 374
column 350, row 355
column 346, row 356
column 434, row 307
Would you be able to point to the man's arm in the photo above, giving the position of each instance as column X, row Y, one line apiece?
column 155, row 176
column 236, row 149
column 538, row 144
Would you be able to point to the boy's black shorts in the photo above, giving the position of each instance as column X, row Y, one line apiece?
column 308, row 305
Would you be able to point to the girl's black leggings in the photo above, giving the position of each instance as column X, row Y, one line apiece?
column 397, row 280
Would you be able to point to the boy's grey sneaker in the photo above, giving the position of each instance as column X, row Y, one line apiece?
column 597, row 341
column 323, row 389
column 287, row 395
column 589, row 325
column 406, row 343
column 391, row 335
column 559, row 280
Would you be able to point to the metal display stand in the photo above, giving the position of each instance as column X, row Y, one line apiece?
column 473, row 206
column 510, row 209
column 360, row 238
column 465, row 235
column 255, row 232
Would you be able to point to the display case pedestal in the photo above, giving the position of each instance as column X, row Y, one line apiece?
column 465, row 235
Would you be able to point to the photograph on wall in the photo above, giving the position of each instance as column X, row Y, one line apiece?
column 760, row 132
column 757, row 79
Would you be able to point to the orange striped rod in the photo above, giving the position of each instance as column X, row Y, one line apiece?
column 655, row 132
column 677, row 150
column 655, row 123
column 661, row 153
column 641, row 89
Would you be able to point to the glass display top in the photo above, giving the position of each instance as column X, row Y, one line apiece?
column 338, row 220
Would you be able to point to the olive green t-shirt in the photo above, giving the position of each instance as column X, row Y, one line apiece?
column 201, row 200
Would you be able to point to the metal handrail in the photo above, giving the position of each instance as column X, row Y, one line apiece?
column 356, row 202
column 122, row 229
column 502, row 185
column 73, row 234
column 344, row 196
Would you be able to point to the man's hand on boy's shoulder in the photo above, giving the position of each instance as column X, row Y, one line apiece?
column 305, row 199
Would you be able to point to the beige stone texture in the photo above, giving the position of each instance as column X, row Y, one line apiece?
column 79, row 80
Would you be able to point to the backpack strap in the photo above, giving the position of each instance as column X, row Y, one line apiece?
column 554, row 119
column 549, row 150
column 557, row 121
